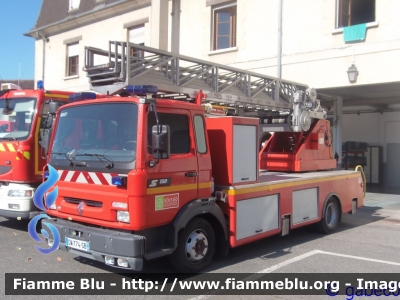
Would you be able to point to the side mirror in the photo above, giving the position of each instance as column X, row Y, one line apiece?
column 161, row 141
column 53, row 107
column 45, row 141
column 48, row 123
column 9, row 109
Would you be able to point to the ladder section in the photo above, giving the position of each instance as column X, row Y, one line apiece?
column 123, row 64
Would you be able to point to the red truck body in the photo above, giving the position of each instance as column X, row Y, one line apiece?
column 21, row 161
column 120, row 201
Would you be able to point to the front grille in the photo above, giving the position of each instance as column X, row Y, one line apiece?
column 87, row 202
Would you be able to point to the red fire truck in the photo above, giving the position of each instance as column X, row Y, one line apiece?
column 21, row 160
column 173, row 170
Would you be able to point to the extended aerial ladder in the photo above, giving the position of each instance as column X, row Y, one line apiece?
column 280, row 105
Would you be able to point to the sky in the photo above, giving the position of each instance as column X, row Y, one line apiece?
column 17, row 52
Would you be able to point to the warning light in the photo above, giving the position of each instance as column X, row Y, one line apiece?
column 141, row 89
column 118, row 180
column 40, row 85
column 82, row 96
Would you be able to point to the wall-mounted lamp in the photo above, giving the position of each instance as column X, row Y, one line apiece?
column 352, row 72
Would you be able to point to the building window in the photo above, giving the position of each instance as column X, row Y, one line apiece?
column 74, row 4
column 353, row 12
column 136, row 36
column 72, row 59
column 224, row 26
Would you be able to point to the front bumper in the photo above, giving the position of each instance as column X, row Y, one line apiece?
column 15, row 214
column 20, row 206
column 102, row 242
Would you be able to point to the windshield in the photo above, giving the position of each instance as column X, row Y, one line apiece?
column 102, row 133
column 16, row 115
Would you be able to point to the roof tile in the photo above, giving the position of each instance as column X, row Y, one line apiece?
column 53, row 11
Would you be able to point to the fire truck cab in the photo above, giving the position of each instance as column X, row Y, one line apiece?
column 23, row 115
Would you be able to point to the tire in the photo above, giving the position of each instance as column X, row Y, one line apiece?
column 196, row 247
column 330, row 220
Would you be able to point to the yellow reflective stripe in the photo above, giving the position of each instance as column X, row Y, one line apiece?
column 2, row 148
column 183, row 187
column 37, row 171
column 10, row 147
column 271, row 187
column 27, row 155
column 56, row 95
column 204, row 185
column 175, row 188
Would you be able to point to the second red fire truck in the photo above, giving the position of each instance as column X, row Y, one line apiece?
column 23, row 116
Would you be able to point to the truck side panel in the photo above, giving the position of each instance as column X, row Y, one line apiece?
column 300, row 197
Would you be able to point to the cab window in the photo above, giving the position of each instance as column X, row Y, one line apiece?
column 179, row 129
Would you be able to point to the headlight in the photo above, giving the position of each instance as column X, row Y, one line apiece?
column 119, row 205
column 123, row 216
column 20, row 193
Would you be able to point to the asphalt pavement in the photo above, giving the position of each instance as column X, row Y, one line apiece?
column 367, row 242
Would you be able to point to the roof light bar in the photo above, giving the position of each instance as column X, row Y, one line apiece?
column 141, row 89
column 82, row 96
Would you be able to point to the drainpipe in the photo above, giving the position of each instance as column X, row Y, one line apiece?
column 279, row 54
column 175, row 32
column 44, row 39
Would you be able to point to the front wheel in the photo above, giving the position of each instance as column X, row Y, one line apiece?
column 331, row 218
column 196, row 247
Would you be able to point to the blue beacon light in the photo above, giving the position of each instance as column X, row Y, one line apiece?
column 40, row 85
column 118, row 180
column 82, row 96
column 141, row 89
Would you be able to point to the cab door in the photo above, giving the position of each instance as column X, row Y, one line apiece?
column 172, row 182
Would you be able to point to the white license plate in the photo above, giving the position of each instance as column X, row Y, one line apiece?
column 77, row 244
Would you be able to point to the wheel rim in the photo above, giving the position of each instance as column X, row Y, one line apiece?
column 196, row 246
column 331, row 215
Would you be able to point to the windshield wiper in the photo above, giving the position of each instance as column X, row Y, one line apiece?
column 8, row 138
column 71, row 162
column 101, row 157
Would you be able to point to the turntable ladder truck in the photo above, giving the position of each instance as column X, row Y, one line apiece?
column 168, row 163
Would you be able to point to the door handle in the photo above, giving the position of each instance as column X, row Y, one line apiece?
column 191, row 174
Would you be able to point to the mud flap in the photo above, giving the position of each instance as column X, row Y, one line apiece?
column 285, row 225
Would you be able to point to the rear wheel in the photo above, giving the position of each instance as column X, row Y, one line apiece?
column 331, row 218
column 196, row 247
